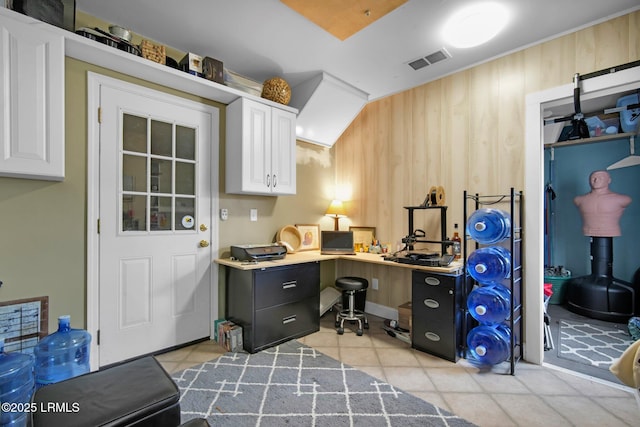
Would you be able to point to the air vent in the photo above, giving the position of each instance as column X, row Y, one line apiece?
column 432, row 58
column 418, row 63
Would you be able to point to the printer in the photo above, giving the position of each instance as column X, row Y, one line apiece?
column 264, row 252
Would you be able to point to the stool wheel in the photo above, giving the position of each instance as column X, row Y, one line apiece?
column 359, row 332
column 341, row 331
column 366, row 324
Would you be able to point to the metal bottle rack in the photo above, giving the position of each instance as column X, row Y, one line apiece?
column 514, row 199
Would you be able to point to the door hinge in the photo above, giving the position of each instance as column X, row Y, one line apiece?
column 98, row 224
column 99, row 114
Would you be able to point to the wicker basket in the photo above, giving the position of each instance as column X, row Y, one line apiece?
column 276, row 90
column 153, row 52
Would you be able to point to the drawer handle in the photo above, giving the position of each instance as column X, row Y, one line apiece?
column 432, row 336
column 432, row 281
column 289, row 285
column 431, row 303
column 288, row 319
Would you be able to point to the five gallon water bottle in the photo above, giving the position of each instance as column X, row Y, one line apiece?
column 62, row 355
column 488, row 226
column 490, row 344
column 16, row 386
column 490, row 264
column 490, row 304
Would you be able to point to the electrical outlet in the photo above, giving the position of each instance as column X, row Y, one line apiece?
column 224, row 214
column 374, row 284
column 254, row 214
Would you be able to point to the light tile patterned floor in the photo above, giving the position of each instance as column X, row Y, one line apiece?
column 535, row 396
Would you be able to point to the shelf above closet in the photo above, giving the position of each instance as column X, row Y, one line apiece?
column 602, row 138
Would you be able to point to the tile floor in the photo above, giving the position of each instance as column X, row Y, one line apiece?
column 535, row 396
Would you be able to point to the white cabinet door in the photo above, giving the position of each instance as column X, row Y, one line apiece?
column 32, row 101
column 283, row 154
column 260, row 149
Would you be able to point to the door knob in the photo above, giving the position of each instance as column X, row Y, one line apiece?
column 204, row 243
column 203, row 227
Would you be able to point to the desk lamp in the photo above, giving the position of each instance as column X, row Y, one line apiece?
column 336, row 210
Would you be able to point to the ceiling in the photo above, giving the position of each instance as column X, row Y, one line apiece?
column 265, row 38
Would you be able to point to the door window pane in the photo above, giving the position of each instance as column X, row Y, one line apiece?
column 185, row 178
column 161, row 176
column 134, row 133
column 185, row 213
column 134, row 213
column 185, row 143
column 161, row 138
column 160, row 213
column 134, row 173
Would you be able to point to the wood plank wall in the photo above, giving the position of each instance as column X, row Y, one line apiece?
column 464, row 131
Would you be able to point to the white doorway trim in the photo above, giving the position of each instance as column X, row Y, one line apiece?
column 620, row 81
column 94, row 81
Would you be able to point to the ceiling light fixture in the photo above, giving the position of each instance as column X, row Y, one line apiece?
column 475, row 24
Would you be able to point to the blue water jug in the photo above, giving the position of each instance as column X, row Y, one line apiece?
column 490, row 344
column 16, row 386
column 488, row 226
column 489, row 265
column 490, row 304
column 62, row 355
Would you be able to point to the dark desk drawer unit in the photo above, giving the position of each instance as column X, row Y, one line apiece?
column 274, row 304
column 438, row 314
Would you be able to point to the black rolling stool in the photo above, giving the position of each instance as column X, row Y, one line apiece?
column 349, row 286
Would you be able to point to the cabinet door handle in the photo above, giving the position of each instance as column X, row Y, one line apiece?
column 431, row 303
column 432, row 336
column 288, row 319
column 275, row 181
column 268, row 180
column 432, row 281
column 289, row 285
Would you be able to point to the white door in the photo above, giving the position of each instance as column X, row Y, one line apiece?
column 154, row 222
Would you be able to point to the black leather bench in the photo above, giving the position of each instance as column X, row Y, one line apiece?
column 137, row 393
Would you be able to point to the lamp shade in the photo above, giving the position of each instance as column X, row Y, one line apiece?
column 336, row 209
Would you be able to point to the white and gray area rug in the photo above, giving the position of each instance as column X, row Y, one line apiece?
column 593, row 344
column 295, row 385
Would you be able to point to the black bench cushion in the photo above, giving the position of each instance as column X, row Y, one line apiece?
column 138, row 393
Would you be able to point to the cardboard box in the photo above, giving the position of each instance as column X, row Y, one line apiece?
column 404, row 316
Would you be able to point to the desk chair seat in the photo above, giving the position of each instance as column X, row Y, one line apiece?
column 349, row 286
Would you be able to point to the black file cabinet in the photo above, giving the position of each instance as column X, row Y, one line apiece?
column 274, row 304
column 438, row 314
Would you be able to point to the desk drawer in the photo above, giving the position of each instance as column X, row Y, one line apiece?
column 282, row 285
column 435, row 337
column 433, row 280
column 433, row 302
column 283, row 322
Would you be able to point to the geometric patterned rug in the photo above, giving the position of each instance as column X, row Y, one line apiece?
column 595, row 345
column 295, row 385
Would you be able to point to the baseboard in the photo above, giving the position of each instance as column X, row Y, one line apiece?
column 381, row 310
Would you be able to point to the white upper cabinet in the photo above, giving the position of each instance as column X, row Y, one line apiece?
column 260, row 149
column 32, row 101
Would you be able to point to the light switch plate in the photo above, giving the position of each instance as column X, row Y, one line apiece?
column 254, row 214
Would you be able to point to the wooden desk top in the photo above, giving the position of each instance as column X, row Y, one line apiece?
column 454, row 268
